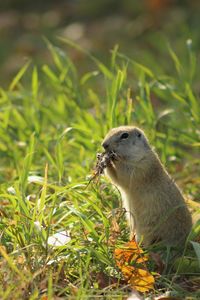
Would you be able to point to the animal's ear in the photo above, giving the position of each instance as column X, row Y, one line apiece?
column 137, row 133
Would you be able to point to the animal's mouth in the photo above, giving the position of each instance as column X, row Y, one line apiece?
column 111, row 154
column 107, row 157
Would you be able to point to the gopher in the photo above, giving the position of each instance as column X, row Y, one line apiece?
column 155, row 208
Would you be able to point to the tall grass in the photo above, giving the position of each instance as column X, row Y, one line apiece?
column 52, row 124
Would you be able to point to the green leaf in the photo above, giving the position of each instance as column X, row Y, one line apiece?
column 50, row 74
column 19, row 75
column 176, row 61
column 105, row 71
column 196, row 247
column 35, row 82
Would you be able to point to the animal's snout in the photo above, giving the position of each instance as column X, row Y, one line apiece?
column 105, row 145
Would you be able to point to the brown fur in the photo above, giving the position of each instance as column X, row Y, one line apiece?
column 155, row 207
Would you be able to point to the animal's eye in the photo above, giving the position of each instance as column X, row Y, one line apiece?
column 124, row 135
column 139, row 134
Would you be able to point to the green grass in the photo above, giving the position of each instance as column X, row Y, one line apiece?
column 53, row 120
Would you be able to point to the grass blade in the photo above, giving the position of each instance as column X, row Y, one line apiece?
column 19, row 75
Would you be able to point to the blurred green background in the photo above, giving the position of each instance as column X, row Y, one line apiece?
column 141, row 28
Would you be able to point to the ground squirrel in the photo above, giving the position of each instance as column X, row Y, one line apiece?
column 155, row 207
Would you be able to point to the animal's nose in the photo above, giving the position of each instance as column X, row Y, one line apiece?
column 105, row 145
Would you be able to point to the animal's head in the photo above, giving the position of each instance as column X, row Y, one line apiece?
column 129, row 143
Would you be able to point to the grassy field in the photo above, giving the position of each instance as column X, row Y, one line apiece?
column 53, row 120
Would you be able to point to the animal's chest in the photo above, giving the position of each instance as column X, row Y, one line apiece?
column 141, row 201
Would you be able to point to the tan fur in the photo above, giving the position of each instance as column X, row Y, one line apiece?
column 155, row 207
